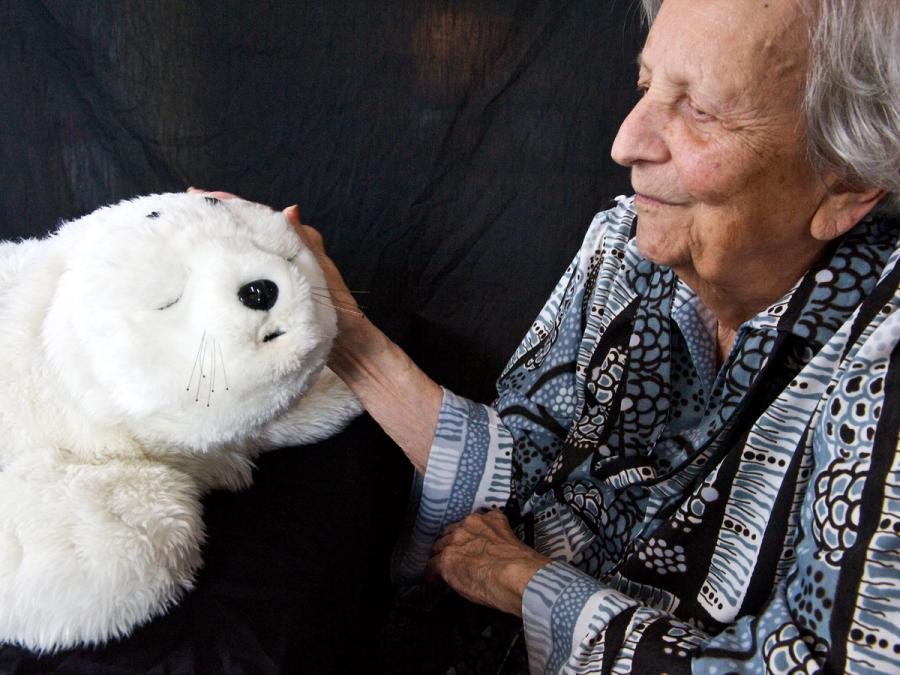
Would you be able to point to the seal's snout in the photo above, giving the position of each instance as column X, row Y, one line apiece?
column 260, row 294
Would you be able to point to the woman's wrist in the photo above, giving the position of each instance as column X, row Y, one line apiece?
column 355, row 350
column 520, row 575
column 396, row 393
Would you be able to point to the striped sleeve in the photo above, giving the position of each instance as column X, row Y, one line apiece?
column 575, row 624
column 469, row 469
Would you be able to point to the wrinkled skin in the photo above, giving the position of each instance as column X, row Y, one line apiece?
column 483, row 560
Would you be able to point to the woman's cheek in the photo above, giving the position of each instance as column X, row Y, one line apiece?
column 709, row 179
column 709, row 169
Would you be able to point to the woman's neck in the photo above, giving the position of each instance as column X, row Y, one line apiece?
column 746, row 293
column 724, row 342
column 744, row 290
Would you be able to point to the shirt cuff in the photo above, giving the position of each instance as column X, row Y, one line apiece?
column 562, row 608
column 469, row 469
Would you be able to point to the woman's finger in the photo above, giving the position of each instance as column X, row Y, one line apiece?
column 440, row 544
column 292, row 213
column 432, row 569
column 458, row 537
column 452, row 526
column 313, row 240
column 308, row 235
column 218, row 194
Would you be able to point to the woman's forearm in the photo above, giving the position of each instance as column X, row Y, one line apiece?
column 398, row 395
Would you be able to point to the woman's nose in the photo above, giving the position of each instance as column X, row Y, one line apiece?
column 640, row 137
column 260, row 294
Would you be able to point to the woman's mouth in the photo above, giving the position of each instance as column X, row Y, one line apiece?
column 652, row 201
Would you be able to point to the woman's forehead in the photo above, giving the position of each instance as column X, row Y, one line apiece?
column 743, row 40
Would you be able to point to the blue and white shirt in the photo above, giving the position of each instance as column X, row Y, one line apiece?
column 735, row 519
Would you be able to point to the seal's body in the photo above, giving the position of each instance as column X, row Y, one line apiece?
column 148, row 352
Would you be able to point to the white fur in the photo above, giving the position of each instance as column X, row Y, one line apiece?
column 110, row 426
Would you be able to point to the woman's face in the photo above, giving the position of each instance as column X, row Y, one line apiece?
column 724, row 189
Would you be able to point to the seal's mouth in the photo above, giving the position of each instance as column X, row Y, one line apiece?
column 274, row 334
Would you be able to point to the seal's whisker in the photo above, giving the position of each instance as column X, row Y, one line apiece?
column 212, row 378
column 222, row 359
column 204, row 349
column 347, row 309
column 336, row 303
column 345, row 305
column 331, row 302
column 196, row 360
column 342, row 290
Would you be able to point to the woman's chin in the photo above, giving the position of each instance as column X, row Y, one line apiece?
column 657, row 247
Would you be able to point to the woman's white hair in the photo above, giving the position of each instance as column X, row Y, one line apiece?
column 852, row 100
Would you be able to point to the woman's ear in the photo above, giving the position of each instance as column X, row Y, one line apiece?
column 842, row 208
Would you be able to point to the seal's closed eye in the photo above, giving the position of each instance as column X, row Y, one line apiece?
column 168, row 304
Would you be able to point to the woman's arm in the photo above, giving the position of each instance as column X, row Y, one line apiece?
column 401, row 398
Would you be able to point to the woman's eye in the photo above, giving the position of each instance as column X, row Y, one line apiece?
column 699, row 113
column 168, row 304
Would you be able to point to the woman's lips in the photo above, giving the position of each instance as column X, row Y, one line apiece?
column 643, row 199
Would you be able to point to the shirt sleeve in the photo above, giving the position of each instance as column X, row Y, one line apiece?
column 576, row 624
column 475, row 462
column 469, row 469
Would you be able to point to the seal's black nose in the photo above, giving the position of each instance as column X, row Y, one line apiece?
column 260, row 294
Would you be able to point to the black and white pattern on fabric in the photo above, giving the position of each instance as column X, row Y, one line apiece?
column 742, row 518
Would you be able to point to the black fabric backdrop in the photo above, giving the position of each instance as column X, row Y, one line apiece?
column 452, row 153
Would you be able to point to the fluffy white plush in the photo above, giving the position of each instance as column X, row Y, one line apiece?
column 148, row 352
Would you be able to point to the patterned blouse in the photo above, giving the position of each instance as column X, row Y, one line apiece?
column 736, row 519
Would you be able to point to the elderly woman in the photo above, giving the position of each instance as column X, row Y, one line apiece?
column 693, row 460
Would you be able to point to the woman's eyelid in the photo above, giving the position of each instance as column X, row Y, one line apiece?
column 699, row 110
column 672, row 92
column 643, row 77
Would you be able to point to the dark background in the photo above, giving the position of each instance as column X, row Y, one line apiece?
column 451, row 152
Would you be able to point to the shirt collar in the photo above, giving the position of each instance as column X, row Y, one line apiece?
column 829, row 293
column 813, row 309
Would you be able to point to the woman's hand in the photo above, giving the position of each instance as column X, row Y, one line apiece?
column 483, row 560
column 348, row 311
column 350, row 318
column 397, row 394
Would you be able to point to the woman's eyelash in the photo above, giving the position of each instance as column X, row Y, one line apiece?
column 698, row 112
